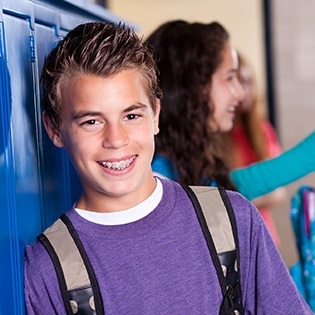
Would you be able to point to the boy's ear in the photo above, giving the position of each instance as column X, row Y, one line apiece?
column 52, row 130
column 156, row 117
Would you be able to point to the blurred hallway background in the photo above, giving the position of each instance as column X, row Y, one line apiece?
column 277, row 37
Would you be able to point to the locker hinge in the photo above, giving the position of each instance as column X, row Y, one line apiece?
column 32, row 48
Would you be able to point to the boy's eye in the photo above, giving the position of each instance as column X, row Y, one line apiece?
column 90, row 122
column 132, row 116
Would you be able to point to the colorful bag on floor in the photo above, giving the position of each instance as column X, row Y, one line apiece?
column 303, row 221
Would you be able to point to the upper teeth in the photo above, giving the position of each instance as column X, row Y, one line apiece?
column 118, row 165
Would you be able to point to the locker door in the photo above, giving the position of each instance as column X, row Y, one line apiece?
column 37, row 181
column 55, row 164
column 9, row 266
column 22, row 181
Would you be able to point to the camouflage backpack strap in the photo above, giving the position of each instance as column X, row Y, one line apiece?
column 77, row 281
column 216, row 217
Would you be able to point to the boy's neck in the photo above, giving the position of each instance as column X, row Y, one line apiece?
column 99, row 202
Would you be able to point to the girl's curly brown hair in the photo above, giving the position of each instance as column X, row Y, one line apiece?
column 187, row 55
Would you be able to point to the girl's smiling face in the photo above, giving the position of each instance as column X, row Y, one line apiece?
column 226, row 91
column 107, row 126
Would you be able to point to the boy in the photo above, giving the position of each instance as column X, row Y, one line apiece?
column 101, row 103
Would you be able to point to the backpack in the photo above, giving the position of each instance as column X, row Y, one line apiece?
column 78, row 283
column 303, row 221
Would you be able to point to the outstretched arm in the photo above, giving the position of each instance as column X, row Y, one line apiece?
column 263, row 177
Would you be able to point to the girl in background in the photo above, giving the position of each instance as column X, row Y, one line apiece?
column 198, row 77
column 253, row 139
column 201, row 92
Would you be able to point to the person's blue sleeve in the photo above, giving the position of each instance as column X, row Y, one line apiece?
column 263, row 177
column 162, row 166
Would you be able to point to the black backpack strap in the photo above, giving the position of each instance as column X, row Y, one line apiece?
column 216, row 217
column 77, row 281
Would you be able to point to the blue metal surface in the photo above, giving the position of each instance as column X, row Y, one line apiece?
column 37, row 181
column 22, row 162
column 8, row 242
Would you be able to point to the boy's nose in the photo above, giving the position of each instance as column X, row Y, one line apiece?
column 115, row 136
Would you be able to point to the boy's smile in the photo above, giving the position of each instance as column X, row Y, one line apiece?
column 118, row 165
column 107, row 126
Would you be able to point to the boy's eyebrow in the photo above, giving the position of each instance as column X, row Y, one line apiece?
column 82, row 113
column 135, row 106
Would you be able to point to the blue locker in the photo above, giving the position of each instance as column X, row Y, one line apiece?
column 55, row 165
column 37, row 180
column 21, row 168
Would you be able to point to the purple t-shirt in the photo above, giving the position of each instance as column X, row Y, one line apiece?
column 161, row 264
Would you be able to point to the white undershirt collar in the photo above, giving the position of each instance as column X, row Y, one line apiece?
column 126, row 216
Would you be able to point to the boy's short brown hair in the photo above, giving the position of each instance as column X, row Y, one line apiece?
column 97, row 48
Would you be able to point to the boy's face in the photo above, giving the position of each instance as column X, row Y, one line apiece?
column 107, row 126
